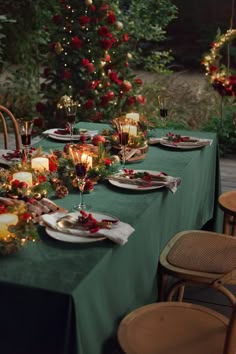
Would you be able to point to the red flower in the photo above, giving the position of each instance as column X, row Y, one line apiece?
column 138, row 81
column 92, row 8
column 66, row 75
column 130, row 101
column 76, row 43
column 52, row 166
column 212, row 68
column 89, row 104
column 103, row 31
column 107, row 162
column 56, row 19
column 106, row 43
column 84, row 20
column 141, row 99
column 41, row 178
column 90, row 68
column 3, row 209
column 15, row 183
column 113, row 77
column 85, row 62
column 22, row 185
column 104, row 7
column 94, row 84
column 111, row 18
column 125, row 37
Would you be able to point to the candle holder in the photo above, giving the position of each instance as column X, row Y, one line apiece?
column 25, row 129
column 162, row 104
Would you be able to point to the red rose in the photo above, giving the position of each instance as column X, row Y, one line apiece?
column 108, row 162
column 76, row 43
column 130, row 101
column 84, row 20
column 141, row 99
column 89, row 104
column 103, row 31
column 41, row 178
column 90, row 68
column 15, row 183
column 138, row 81
column 52, row 166
column 94, row 84
column 125, row 37
column 106, row 43
column 22, row 185
column 85, row 62
column 111, row 18
column 66, row 75
column 56, row 19
column 113, row 77
column 126, row 86
column 212, row 68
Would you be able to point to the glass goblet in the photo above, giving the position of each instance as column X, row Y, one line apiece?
column 163, row 112
column 81, row 175
column 25, row 130
column 123, row 139
column 71, row 111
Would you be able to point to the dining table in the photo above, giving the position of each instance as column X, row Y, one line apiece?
column 61, row 297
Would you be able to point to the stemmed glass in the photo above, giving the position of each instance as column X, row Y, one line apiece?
column 163, row 111
column 25, row 130
column 123, row 139
column 81, row 170
column 71, row 110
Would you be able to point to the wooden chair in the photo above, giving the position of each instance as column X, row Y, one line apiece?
column 227, row 202
column 174, row 327
column 6, row 115
column 198, row 257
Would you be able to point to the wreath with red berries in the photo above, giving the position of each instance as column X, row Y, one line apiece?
column 219, row 75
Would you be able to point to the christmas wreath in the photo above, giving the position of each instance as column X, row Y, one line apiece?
column 220, row 76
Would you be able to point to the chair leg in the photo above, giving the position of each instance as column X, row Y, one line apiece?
column 180, row 287
column 234, row 226
column 227, row 227
column 161, row 284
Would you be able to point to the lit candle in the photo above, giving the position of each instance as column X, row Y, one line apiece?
column 5, row 221
column 133, row 130
column 134, row 116
column 40, row 163
column 87, row 159
column 23, row 177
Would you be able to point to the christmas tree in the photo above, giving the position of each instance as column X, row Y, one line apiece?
column 88, row 61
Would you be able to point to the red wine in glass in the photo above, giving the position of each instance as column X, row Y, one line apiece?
column 26, row 139
column 163, row 112
column 124, row 138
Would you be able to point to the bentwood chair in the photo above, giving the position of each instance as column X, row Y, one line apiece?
column 177, row 327
column 6, row 116
column 198, row 257
column 227, row 202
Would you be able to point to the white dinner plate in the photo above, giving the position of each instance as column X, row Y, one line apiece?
column 51, row 133
column 134, row 187
column 86, row 238
column 5, row 162
column 188, row 145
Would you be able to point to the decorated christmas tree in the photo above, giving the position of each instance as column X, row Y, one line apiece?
column 88, row 60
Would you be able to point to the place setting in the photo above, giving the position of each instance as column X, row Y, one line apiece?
column 86, row 227
column 180, row 142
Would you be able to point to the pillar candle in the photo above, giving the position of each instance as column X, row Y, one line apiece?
column 5, row 221
column 87, row 159
column 133, row 130
column 134, row 116
column 40, row 163
column 24, row 177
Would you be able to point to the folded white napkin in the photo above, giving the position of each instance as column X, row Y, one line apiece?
column 119, row 233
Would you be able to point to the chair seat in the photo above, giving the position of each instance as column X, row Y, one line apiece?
column 204, row 252
column 171, row 327
column 227, row 202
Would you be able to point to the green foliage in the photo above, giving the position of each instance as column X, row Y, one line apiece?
column 88, row 61
column 225, row 127
column 146, row 23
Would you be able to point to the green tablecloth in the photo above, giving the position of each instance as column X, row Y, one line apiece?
column 61, row 298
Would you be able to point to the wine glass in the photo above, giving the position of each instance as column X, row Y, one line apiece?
column 123, row 139
column 25, row 130
column 71, row 110
column 81, row 170
column 163, row 111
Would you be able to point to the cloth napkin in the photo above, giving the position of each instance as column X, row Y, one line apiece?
column 119, row 233
column 169, row 182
